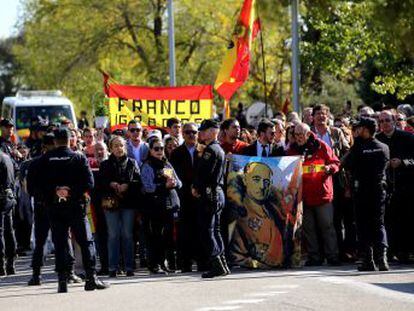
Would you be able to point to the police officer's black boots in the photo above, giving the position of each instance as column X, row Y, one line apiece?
column 382, row 260
column 10, row 268
column 217, row 269
column 2, row 270
column 92, row 282
column 224, row 263
column 62, row 283
column 35, row 280
column 368, row 263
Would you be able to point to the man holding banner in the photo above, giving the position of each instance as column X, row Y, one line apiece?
column 320, row 164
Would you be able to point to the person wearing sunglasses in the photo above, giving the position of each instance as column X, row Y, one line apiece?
column 137, row 149
column 185, row 160
column 402, row 124
column 264, row 145
column 399, row 213
column 159, row 185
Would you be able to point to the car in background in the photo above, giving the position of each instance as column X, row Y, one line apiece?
column 27, row 107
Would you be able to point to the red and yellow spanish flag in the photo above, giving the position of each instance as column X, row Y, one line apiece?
column 236, row 63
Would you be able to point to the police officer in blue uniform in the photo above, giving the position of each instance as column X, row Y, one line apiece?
column 367, row 162
column 66, row 180
column 208, row 188
column 41, row 219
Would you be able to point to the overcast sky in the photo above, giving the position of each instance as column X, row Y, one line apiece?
column 8, row 17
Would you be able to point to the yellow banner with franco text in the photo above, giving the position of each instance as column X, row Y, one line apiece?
column 154, row 106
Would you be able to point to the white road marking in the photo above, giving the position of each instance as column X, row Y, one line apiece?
column 281, row 286
column 267, row 294
column 220, row 308
column 243, row 301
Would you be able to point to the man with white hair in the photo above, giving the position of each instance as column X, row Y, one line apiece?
column 319, row 165
column 366, row 112
column 399, row 213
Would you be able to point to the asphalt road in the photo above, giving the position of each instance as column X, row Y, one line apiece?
column 339, row 288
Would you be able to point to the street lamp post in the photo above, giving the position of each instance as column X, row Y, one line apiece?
column 295, row 57
column 171, row 42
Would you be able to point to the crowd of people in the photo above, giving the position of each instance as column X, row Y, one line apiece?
column 154, row 198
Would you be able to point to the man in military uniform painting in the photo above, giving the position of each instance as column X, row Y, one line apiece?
column 208, row 188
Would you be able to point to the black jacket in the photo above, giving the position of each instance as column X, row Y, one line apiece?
column 121, row 171
column 367, row 161
column 63, row 167
column 210, row 169
column 251, row 150
column 184, row 167
column 401, row 145
column 157, row 196
column 7, row 183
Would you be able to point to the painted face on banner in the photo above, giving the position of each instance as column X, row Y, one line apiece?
column 257, row 180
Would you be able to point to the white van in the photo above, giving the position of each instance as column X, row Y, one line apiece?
column 27, row 106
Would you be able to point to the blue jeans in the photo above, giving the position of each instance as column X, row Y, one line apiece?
column 120, row 225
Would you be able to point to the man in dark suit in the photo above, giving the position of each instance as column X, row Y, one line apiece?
column 399, row 212
column 264, row 146
column 184, row 160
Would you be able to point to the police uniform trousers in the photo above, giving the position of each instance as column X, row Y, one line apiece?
column 7, row 237
column 41, row 232
column 63, row 218
column 211, row 207
column 369, row 212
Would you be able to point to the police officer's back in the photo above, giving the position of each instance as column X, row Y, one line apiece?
column 66, row 180
column 367, row 162
column 207, row 187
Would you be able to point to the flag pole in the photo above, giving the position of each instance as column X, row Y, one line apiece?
column 171, row 42
column 295, row 57
column 226, row 110
column 263, row 62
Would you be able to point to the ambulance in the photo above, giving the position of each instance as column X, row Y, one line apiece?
column 28, row 106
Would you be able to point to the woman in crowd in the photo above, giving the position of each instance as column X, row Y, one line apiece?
column 159, row 184
column 279, row 139
column 170, row 144
column 88, row 138
column 74, row 141
column 120, row 181
column 290, row 135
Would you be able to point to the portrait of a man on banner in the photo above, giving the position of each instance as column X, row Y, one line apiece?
column 264, row 200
